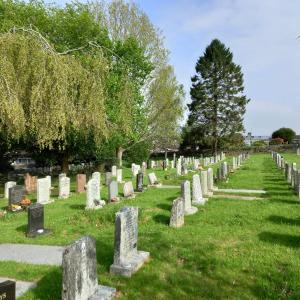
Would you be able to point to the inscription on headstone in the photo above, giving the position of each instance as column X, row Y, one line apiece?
column 15, row 195
column 36, row 220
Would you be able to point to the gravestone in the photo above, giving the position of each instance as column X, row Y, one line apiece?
column 62, row 175
column 80, row 183
column 43, row 191
column 93, row 198
column 178, row 168
column 177, row 213
column 7, row 186
column 97, row 177
column 64, row 187
column 36, row 220
column 119, row 175
column 127, row 259
column 113, row 192
column 79, row 278
column 108, row 178
column 8, row 290
column 204, row 184
column 49, row 181
column 30, row 183
column 197, row 191
column 186, row 196
column 210, row 180
column 114, row 171
column 128, row 190
column 15, row 196
column 153, row 180
column 139, row 182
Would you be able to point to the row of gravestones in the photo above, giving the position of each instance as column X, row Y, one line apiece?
column 79, row 261
column 291, row 172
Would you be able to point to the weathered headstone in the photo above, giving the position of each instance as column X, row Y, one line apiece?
column 15, row 196
column 127, row 259
column 186, row 196
column 97, row 177
column 43, row 191
column 153, row 180
column 114, row 171
column 7, row 186
column 210, row 180
column 119, row 175
column 30, row 183
column 128, row 190
column 108, row 178
column 8, row 290
column 178, row 168
column 204, row 184
column 93, row 199
column 177, row 213
column 197, row 192
column 36, row 220
column 64, row 187
column 113, row 193
column 80, row 280
column 80, row 183
column 139, row 182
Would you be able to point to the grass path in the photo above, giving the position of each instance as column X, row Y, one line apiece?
column 230, row 249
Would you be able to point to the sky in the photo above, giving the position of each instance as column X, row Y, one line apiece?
column 263, row 36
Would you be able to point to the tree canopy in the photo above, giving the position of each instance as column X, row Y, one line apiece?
column 287, row 134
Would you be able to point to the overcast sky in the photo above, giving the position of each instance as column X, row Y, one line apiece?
column 262, row 34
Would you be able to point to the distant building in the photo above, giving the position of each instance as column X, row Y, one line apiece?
column 296, row 140
column 249, row 139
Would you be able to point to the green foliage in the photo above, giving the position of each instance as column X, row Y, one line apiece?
column 259, row 144
column 287, row 134
column 277, row 141
column 138, row 153
column 218, row 103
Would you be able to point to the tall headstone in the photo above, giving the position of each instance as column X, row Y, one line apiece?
column 178, row 168
column 197, row 191
column 43, row 191
column 128, row 190
column 93, row 199
column 210, row 180
column 127, row 259
column 108, row 178
column 177, row 213
column 114, row 171
column 64, row 187
column 139, row 182
column 204, row 184
column 97, row 176
column 7, row 186
column 79, row 266
column 119, row 175
column 80, row 183
column 30, row 183
column 186, row 196
column 113, row 193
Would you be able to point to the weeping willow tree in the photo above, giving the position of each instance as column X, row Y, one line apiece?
column 50, row 100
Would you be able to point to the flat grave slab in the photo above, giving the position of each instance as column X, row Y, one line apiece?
column 21, row 286
column 32, row 254
column 237, row 197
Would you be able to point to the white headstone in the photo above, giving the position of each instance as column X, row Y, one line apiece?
column 7, row 186
column 186, row 196
column 119, row 175
column 93, row 200
column 114, row 171
column 197, row 191
column 64, row 187
column 128, row 190
column 43, row 191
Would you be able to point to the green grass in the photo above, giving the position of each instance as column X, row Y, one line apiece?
column 292, row 157
column 230, row 249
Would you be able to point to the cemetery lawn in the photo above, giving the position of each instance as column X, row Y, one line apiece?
column 230, row 249
column 291, row 158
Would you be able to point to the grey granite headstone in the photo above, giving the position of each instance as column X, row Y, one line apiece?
column 8, row 290
column 127, row 259
column 80, row 280
column 113, row 193
column 15, row 195
column 177, row 213
column 36, row 221
column 139, row 182
column 197, row 191
column 108, row 178
column 186, row 196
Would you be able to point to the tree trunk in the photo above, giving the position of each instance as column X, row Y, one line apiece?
column 120, row 152
column 65, row 162
column 166, row 153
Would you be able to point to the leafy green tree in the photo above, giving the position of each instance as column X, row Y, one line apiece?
column 287, row 134
column 218, row 104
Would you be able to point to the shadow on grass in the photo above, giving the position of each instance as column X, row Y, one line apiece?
column 22, row 228
column 280, row 239
column 77, row 206
column 162, row 219
column 164, row 206
column 283, row 220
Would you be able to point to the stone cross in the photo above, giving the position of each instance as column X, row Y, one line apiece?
column 186, row 196
column 80, row 280
column 127, row 259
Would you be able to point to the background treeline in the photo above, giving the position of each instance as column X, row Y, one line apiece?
column 85, row 82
